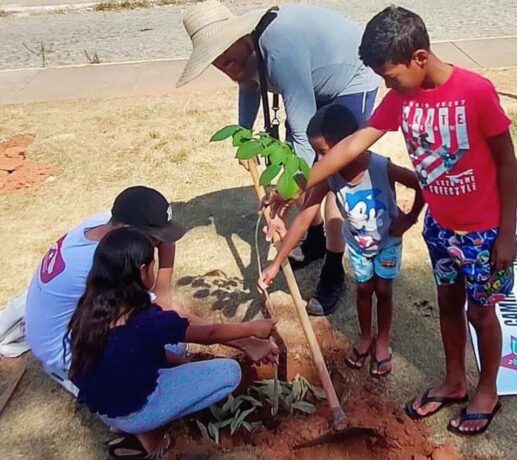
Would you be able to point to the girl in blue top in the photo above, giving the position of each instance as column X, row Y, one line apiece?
column 117, row 338
column 372, row 231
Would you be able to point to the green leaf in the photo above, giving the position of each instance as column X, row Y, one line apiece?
column 266, row 140
column 241, row 399
column 213, row 430
column 305, row 168
column 254, row 402
column 247, row 426
column 255, row 425
column 304, row 406
column 296, row 390
column 225, row 133
column 320, row 393
column 218, row 413
column 304, row 385
column 269, row 174
column 203, row 430
column 279, row 155
column 233, row 425
column 287, row 186
column 241, row 136
column 271, row 148
column 237, row 422
column 251, row 426
column 227, row 406
column 292, row 164
column 226, row 422
column 249, row 149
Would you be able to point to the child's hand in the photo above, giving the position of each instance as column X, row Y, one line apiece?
column 268, row 276
column 503, row 252
column 401, row 224
column 262, row 328
column 276, row 226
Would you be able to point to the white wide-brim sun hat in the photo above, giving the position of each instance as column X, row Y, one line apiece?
column 213, row 28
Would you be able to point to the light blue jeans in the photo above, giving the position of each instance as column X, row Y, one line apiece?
column 180, row 391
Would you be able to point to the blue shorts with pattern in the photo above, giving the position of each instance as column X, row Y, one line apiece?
column 467, row 256
column 385, row 264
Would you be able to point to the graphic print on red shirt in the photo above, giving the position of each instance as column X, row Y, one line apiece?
column 446, row 130
column 437, row 138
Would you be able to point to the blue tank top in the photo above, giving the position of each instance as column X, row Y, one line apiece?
column 368, row 207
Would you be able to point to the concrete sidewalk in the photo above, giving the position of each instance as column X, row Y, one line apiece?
column 158, row 78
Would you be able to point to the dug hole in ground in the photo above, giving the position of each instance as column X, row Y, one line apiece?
column 364, row 400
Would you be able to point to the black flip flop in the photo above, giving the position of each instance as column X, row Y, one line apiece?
column 465, row 417
column 378, row 363
column 126, row 447
column 426, row 399
column 358, row 357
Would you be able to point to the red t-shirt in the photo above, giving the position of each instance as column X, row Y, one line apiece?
column 446, row 131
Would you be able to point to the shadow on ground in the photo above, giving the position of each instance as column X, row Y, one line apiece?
column 416, row 341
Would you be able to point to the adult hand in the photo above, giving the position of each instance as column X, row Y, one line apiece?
column 267, row 278
column 278, row 205
column 276, row 226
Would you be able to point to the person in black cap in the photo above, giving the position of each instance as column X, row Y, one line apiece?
column 60, row 279
column 148, row 210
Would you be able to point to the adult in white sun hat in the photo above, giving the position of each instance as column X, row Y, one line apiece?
column 309, row 56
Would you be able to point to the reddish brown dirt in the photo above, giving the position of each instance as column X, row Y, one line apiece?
column 365, row 403
column 17, row 172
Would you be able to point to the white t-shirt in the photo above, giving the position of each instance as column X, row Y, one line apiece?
column 55, row 289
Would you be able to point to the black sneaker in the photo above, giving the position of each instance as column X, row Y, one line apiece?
column 311, row 249
column 326, row 299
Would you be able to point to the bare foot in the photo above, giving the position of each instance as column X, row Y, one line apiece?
column 444, row 389
column 480, row 403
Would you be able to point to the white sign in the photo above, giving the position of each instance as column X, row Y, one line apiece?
column 507, row 315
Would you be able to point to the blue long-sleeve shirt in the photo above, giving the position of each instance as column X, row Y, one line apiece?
column 311, row 55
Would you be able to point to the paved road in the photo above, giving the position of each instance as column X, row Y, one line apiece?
column 18, row 4
column 157, row 33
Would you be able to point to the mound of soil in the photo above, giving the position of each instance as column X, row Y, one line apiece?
column 17, row 172
column 364, row 399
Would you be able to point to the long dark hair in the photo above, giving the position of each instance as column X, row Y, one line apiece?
column 114, row 288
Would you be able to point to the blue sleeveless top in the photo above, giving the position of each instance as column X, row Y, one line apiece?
column 368, row 207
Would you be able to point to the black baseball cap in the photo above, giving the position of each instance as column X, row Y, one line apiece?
column 147, row 210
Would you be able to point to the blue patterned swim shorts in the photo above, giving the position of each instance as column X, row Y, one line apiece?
column 468, row 256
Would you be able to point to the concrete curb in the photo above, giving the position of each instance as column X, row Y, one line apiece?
column 158, row 77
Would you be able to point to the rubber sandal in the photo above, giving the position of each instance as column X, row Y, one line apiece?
column 376, row 364
column 358, row 357
column 127, row 447
column 465, row 417
column 426, row 399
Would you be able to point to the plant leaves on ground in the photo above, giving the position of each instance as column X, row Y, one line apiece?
column 242, row 411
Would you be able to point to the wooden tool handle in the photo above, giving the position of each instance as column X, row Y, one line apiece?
column 9, row 391
column 319, row 362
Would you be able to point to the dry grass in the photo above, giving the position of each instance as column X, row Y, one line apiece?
column 113, row 5
column 103, row 146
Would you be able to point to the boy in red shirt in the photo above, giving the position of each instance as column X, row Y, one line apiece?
column 459, row 142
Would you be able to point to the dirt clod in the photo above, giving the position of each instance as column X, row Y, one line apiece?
column 17, row 172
